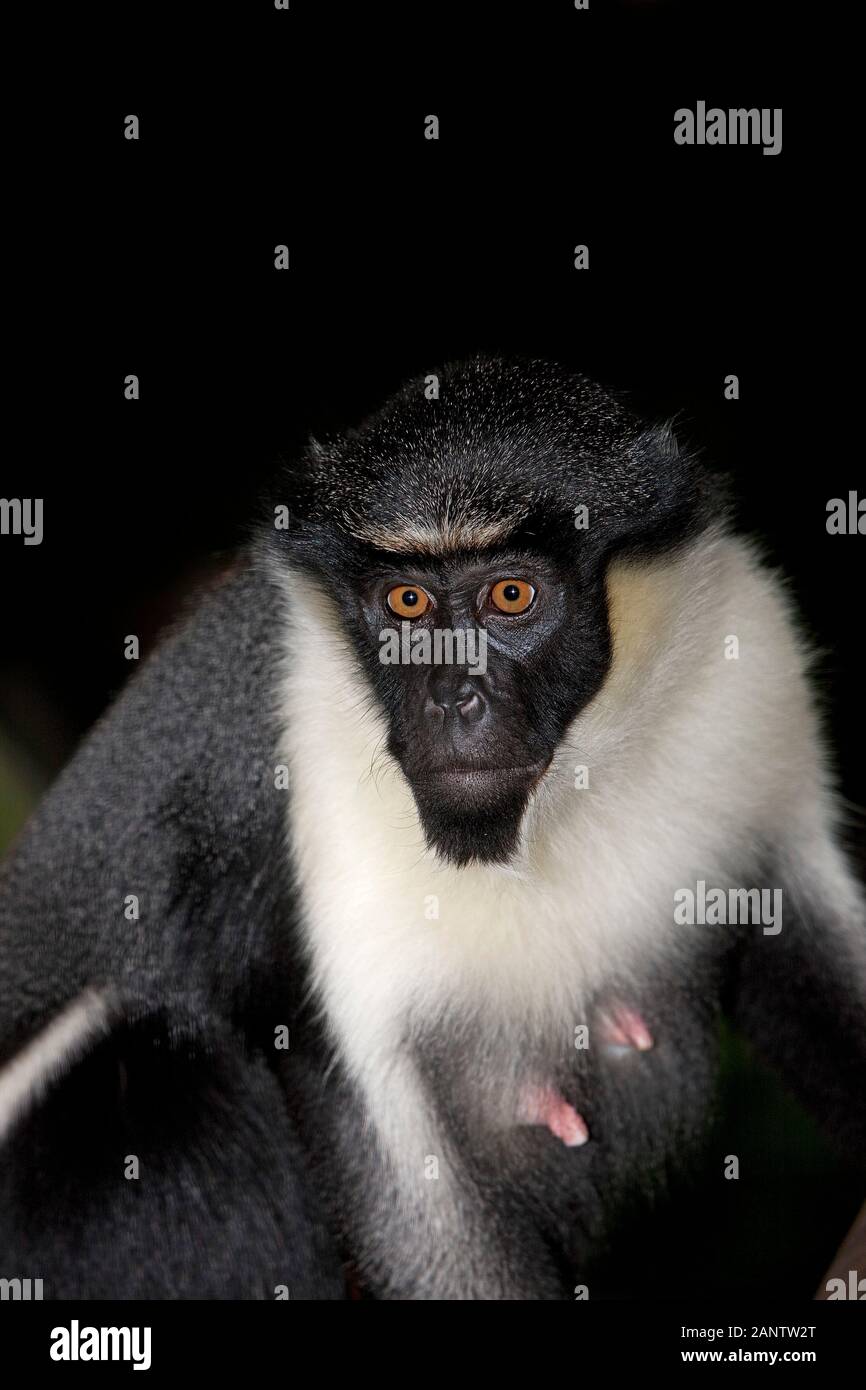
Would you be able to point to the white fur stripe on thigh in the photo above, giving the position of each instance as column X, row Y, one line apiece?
column 25, row 1079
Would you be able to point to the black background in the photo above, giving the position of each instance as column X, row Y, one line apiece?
column 261, row 127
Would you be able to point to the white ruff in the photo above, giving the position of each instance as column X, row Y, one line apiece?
column 692, row 760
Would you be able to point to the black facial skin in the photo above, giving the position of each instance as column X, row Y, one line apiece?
column 513, row 446
column 472, row 745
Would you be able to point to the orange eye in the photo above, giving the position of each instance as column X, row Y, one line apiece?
column 512, row 595
column 407, row 601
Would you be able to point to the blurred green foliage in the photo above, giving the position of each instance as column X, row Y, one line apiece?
column 20, row 789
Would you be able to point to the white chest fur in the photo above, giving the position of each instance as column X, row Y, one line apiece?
column 688, row 754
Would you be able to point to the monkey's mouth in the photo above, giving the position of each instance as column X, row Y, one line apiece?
column 473, row 776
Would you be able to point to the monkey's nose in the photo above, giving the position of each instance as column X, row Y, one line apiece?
column 466, row 701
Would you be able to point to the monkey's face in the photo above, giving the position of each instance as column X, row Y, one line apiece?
column 465, row 538
column 481, row 661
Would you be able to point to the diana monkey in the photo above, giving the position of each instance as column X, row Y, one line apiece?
column 406, row 986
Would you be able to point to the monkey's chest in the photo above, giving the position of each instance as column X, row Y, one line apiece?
column 620, row 1030
column 627, row 1090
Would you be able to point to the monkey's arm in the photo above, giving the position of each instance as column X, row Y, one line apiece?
column 800, row 996
column 149, row 865
column 144, row 913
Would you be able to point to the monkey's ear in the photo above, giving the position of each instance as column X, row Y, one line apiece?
column 662, row 438
column 666, row 497
column 302, row 477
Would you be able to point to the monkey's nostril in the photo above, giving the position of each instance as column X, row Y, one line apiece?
column 435, row 711
column 471, row 707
